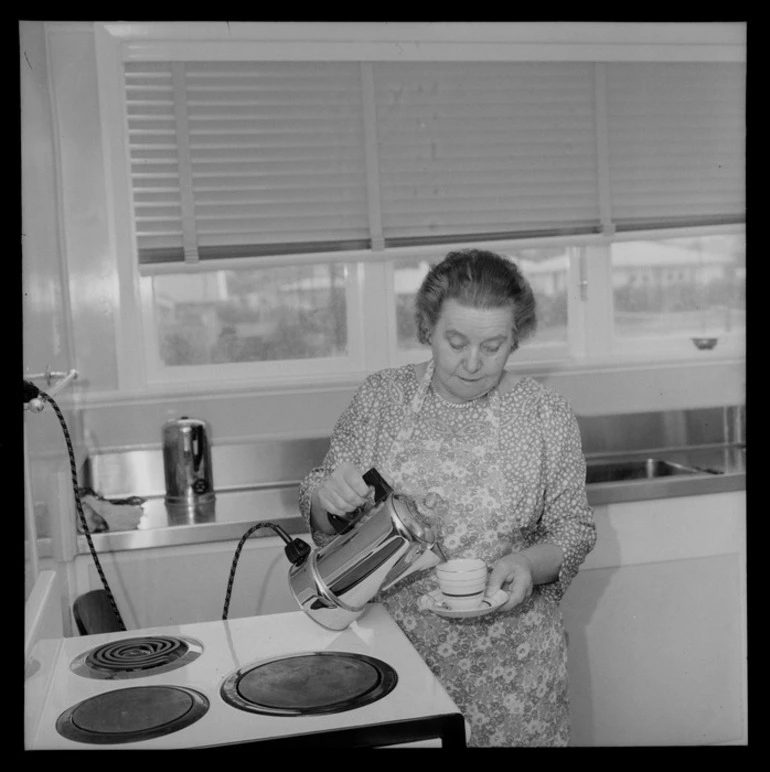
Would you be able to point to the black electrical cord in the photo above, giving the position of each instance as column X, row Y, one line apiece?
column 296, row 550
column 32, row 392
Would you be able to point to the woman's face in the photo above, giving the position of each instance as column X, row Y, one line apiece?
column 470, row 348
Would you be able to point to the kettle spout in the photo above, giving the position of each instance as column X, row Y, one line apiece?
column 428, row 559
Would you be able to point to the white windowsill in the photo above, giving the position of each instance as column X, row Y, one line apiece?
column 344, row 382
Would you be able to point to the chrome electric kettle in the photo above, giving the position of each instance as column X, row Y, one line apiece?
column 389, row 539
column 187, row 463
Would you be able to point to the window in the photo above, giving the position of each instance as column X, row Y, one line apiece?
column 252, row 315
column 706, row 298
column 264, row 193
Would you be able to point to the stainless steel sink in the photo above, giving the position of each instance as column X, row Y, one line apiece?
column 644, row 469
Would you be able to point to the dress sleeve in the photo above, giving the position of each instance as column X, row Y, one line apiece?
column 352, row 441
column 567, row 518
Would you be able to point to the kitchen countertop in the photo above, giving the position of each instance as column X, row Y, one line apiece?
column 236, row 510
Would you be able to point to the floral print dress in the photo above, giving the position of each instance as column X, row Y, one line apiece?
column 502, row 472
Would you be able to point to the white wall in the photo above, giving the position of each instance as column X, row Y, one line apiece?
column 46, row 336
column 188, row 583
column 243, row 415
column 657, row 625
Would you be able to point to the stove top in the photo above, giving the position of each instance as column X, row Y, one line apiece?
column 271, row 678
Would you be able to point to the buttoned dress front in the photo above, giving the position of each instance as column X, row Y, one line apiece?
column 500, row 473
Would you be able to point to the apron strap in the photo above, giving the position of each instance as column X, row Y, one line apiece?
column 494, row 408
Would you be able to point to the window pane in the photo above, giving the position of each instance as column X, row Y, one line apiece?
column 693, row 286
column 546, row 268
column 407, row 277
column 251, row 315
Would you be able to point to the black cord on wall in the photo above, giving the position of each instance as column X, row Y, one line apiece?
column 32, row 392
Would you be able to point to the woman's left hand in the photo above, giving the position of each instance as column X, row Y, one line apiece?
column 512, row 573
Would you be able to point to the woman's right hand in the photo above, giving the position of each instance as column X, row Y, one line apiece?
column 343, row 491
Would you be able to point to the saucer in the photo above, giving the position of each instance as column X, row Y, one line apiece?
column 433, row 601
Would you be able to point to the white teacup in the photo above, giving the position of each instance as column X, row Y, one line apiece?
column 462, row 582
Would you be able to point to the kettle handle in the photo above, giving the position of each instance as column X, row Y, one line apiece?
column 381, row 489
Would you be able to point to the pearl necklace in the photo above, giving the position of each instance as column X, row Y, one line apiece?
column 456, row 405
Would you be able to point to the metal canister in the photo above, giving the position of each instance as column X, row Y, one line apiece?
column 187, row 463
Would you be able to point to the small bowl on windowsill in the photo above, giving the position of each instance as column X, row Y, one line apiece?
column 705, row 343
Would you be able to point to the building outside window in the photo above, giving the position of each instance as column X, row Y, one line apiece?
column 691, row 286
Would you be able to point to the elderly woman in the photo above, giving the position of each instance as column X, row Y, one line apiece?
column 498, row 459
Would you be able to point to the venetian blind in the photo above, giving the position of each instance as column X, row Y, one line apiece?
column 236, row 159
column 486, row 149
column 246, row 158
column 677, row 135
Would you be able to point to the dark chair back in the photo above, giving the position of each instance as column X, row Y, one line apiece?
column 93, row 613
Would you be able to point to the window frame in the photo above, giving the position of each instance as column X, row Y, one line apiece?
column 591, row 342
column 275, row 371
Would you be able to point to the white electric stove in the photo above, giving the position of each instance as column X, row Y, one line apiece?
column 277, row 679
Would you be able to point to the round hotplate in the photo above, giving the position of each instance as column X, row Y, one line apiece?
column 132, row 714
column 307, row 684
column 137, row 657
